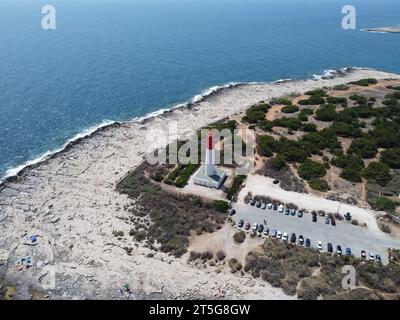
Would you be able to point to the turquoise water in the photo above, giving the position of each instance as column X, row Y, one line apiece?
column 121, row 59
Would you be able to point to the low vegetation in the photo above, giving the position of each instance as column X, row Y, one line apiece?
column 293, row 268
column 173, row 216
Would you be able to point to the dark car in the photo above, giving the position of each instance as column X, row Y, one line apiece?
column 287, row 211
column 266, row 231
column 253, row 202
column 300, row 214
column 275, row 207
column 293, row 238
column 258, row 204
column 274, row 233
column 260, row 228
column 241, row 223
column 308, row 243
column 333, row 221
column 247, row 226
column 347, row 216
column 330, row 247
column 339, row 250
column 301, row 239
column 314, row 218
column 378, row 258
column 348, row 251
column 363, row 254
column 293, row 212
column 232, row 212
column 327, row 220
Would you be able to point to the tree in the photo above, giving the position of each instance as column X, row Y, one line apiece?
column 310, row 169
column 309, row 127
column 363, row 147
column 290, row 109
column 265, row 145
column 378, row 172
column 326, row 113
column 278, row 162
column 391, row 157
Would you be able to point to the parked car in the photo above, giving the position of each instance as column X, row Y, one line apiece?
column 253, row 202
column 285, row 236
column 319, row 246
column 279, row 235
column 260, row 228
column 308, row 243
column 280, row 208
column 300, row 214
column 274, row 233
column 327, row 220
column 348, row 251
column 232, row 212
column 314, row 218
column 339, row 250
column 266, row 231
column 241, row 223
column 287, row 211
column 333, row 221
column 255, row 226
column 347, row 216
column 264, row 205
column 247, row 226
column 363, row 254
column 371, row 256
column 330, row 247
column 258, row 204
column 269, row 206
column 275, row 207
column 293, row 238
column 293, row 212
column 378, row 258
column 301, row 239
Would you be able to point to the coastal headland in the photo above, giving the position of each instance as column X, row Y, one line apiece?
column 69, row 201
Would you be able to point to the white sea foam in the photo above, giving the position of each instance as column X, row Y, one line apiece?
column 328, row 74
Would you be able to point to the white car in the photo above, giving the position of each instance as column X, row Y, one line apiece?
column 371, row 256
column 255, row 226
column 280, row 209
column 319, row 246
column 285, row 236
column 279, row 235
column 269, row 206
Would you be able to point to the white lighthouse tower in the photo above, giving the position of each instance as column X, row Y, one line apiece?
column 210, row 155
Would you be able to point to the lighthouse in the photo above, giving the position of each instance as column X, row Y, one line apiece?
column 208, row 175
column 209, row 166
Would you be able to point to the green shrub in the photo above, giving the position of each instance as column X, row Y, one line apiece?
column 256, row 113
column 365, row 82
column 391, row 157
column 310, row 170
column 378, row 172
column 384, row 204
column 283, row 101
column 326, row 113
column 291, row 123
column 363, row 147
column 320, row 185
column 290, row 109
column 309, row 127
column 265, row 145
column 278, row 162
column 235, row 188
column 221, row 205
column 339, row 101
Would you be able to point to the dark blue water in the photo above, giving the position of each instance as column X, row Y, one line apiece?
column 120, row 59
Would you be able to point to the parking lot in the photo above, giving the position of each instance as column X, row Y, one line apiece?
column 344, row 234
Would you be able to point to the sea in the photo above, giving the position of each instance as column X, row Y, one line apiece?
column 120, row 60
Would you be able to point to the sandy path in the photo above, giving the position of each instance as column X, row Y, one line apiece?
column 71, row 200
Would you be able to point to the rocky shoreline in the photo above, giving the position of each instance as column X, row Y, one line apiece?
column 69, row 201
